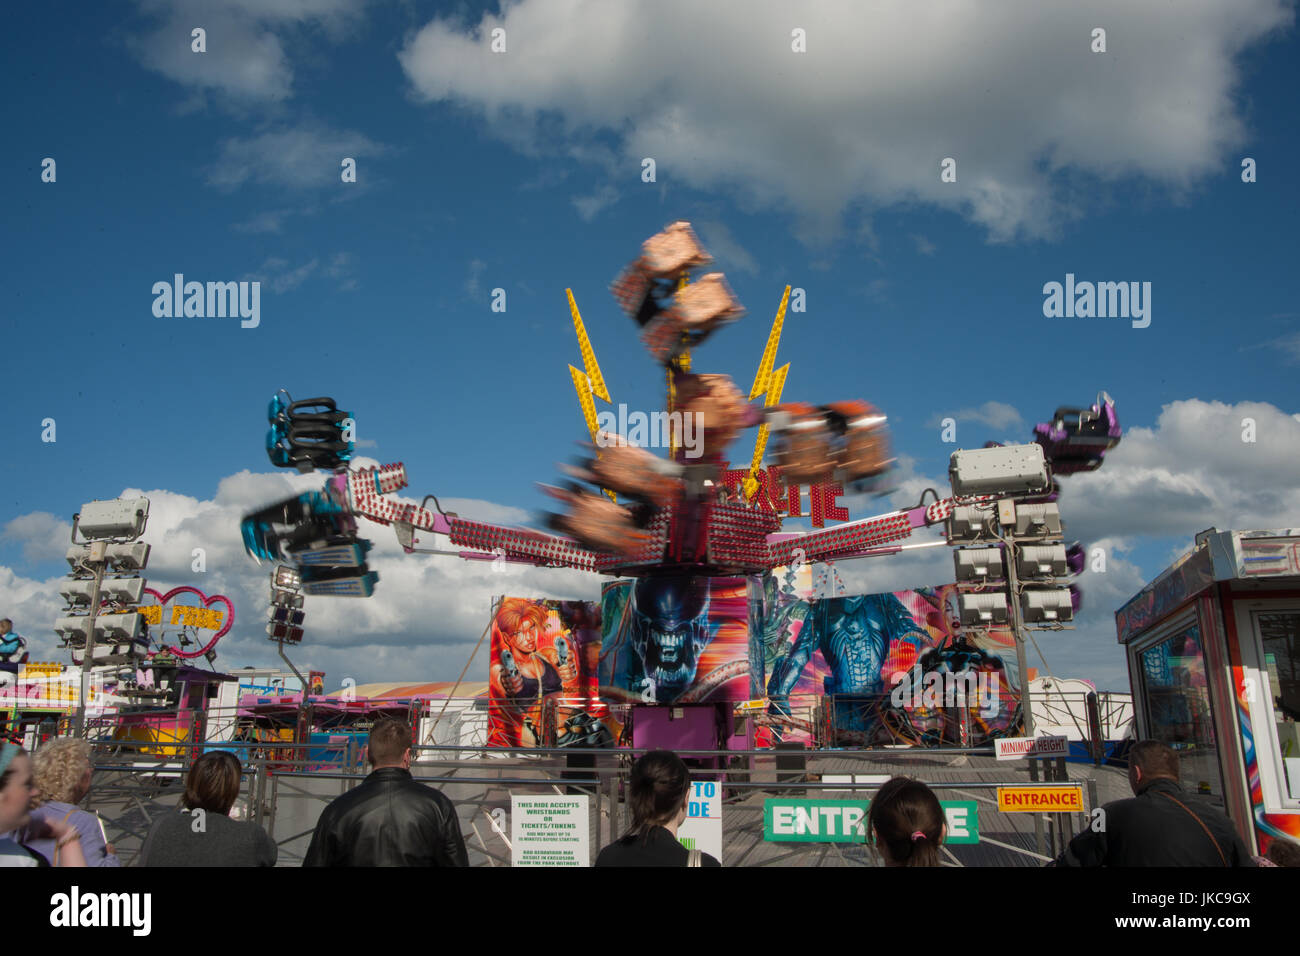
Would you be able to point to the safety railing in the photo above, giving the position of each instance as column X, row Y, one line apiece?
column 285, row 796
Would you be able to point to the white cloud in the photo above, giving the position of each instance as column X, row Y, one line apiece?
column 339, row 265
column 280, row 279
column 923, row 245
column 998, row 415
column 720, row 243
column 306, row 156
column 476, row 269
column 44, row 537
column 877, row 290
column 264, row 222
column 1290, row 345
column 293, row 278
column 33, row 607
column 1190, row 472
column 421, row 624
column 884, row 92
column 590, row 206
column 244, row 62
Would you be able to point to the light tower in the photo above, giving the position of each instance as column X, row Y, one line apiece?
column 104, row 590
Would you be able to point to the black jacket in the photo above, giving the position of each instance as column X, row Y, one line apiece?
column 389, row 820
column 1150, row 829
column 659, row 848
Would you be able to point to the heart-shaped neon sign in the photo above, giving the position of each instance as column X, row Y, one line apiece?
column 207, row 603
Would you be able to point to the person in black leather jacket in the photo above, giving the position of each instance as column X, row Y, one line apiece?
column 1160, row 826
column 389, row 820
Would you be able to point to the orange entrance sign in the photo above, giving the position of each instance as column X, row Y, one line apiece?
column 1040, row 799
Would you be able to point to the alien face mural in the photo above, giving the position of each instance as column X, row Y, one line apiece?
column 676, row 640
column 670, row 628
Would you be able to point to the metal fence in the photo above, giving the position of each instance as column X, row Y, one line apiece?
column 285, row 793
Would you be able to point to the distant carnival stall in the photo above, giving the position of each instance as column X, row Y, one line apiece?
column 1213, row 649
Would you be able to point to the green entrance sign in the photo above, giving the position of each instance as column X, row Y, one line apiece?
column 844, row 821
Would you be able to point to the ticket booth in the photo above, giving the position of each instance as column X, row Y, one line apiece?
column 1213, row 647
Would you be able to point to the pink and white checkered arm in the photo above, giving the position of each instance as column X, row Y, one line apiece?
column 866, row 536
column 367, row 488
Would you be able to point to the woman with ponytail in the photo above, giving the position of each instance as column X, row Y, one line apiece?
column 658, row 793
column 905, row 823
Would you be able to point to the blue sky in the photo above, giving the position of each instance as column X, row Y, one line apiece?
column 522, row 171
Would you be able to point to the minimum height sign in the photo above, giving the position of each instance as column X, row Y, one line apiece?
column 549, row 831
column 844, row 821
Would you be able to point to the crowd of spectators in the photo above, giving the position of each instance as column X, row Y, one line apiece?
column 391, row 819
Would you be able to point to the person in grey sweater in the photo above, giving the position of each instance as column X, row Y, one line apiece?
column 201, row 832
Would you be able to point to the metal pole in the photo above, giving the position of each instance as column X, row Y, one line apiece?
column 79, row 728
column 1018, row 628
column 255, row 792
column 1096, row 736
column 1062, row 821
column 1038, row 817
column 306, row 688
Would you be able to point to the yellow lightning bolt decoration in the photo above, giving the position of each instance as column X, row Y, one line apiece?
column 770, row 383
column 761, row 379
column 588, row 356
column 583, row 388
column 775, row 387
column 590, row 382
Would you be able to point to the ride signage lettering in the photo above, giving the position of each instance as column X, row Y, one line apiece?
column 773, row 495
column 1014, row 748
column 184, row 615
column 842, row 821
column 1040, row 799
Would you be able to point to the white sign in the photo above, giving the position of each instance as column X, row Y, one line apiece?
column 1013, row 748
column 702, row 828
column 550, row 831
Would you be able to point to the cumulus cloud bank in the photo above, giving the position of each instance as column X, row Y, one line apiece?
column 422, row 623
column 862, row 119
column 244, row 61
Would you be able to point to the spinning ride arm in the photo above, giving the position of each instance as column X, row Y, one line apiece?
column 866, row 537
column 1075, row 440
column 367, row 491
